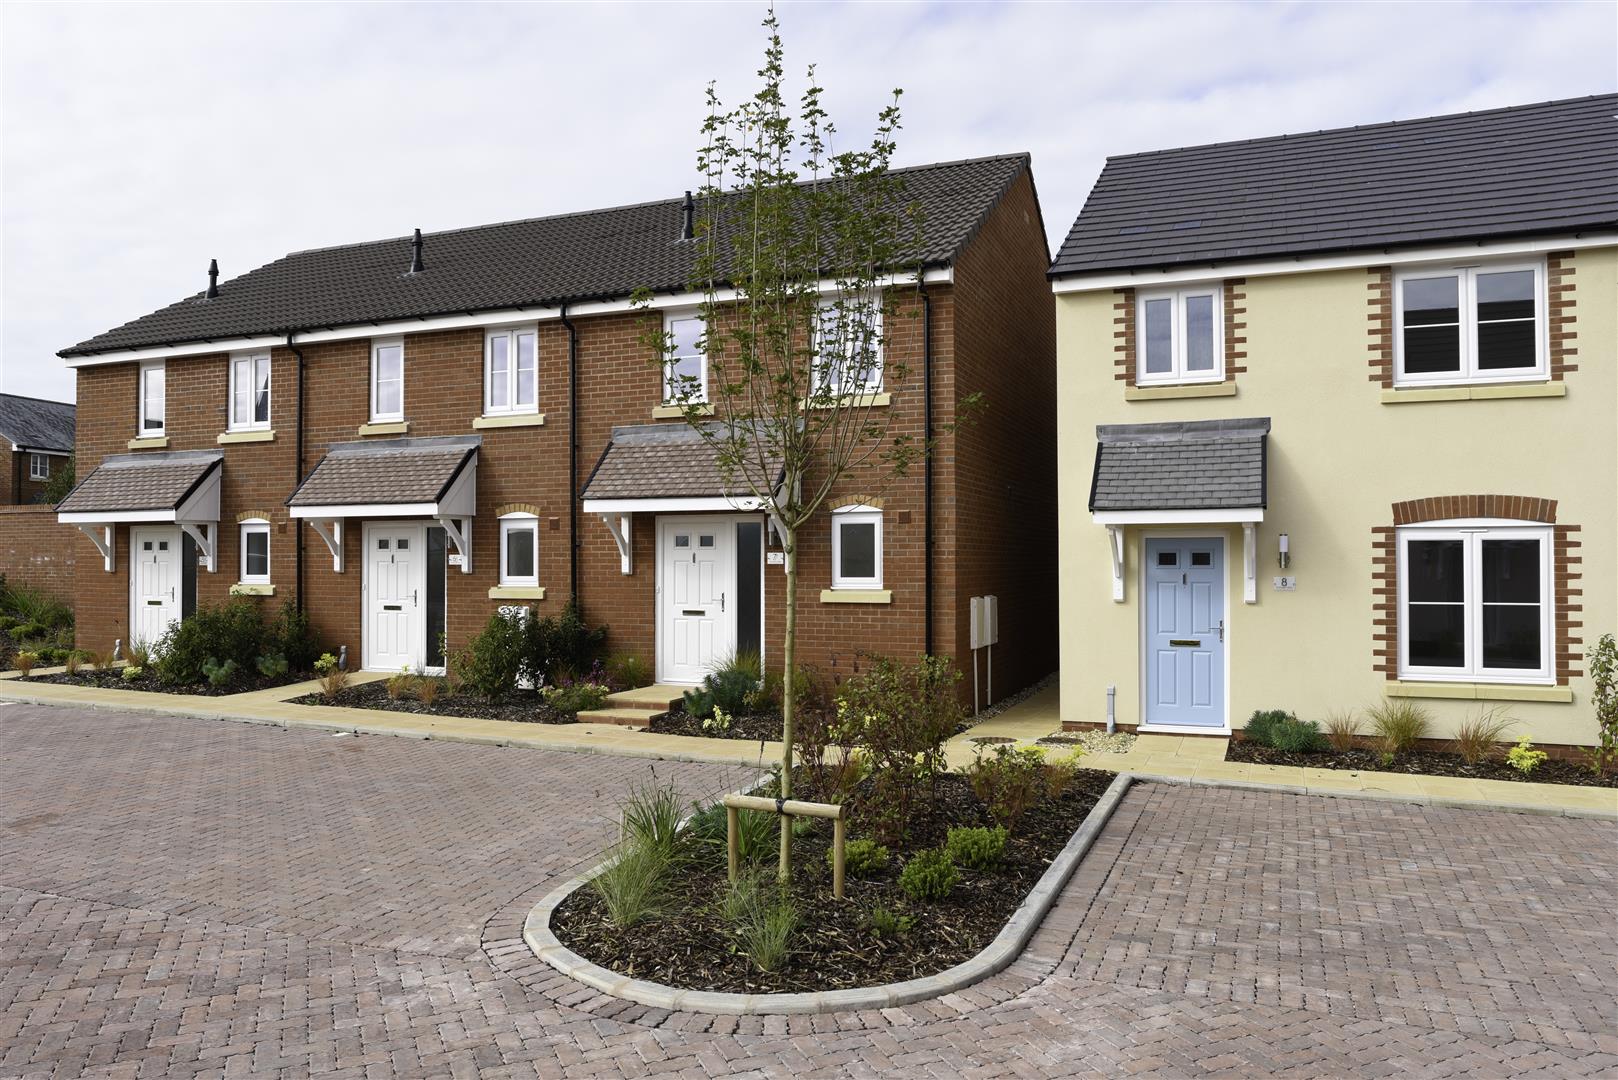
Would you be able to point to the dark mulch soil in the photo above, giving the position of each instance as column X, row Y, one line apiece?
column 112, row 679
column 691, row 945
column 754, row 727
column 519, row 706
column 1423, row 762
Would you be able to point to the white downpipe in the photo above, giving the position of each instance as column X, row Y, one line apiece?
column 1112, row 708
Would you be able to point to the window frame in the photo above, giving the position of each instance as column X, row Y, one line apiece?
column 141, row 428
column 669, row 319
column 377, row 345
column 1472, row 533
column 1178, row 375
column 1468, row 374
column 251, row 359
column 512, row 407
column 855, row 514
column 820, row 384
column 35, row 471
column 246, row 527
column 510, row 523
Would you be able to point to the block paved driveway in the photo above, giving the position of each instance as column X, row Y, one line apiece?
column 187, row 897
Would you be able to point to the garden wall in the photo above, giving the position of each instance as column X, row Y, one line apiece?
column 36, row 550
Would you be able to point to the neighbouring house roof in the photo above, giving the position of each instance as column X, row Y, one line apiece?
column 387, row 471
column 36, row 424
column 136, row 482
column 664, row 461
column 1197, row 465
column 597, row 254
column 1530, row 169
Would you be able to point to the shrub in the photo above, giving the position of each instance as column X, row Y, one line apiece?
column 1341, row 728
column 230, row 633
column 628, row 671
column 270, row 665
column 399, row 685
column 291, row 636
column 219, row 673
column 72, row 662
column 332, row 678
column 1602, row 662
column 25, row 662
column 576, row 697
column 100, row 659
column 651, row 818
column 1060, row 774
column 718, row 722
column 497, row 657
column 929, row 875
column 1294, row 736
column 1478, row 736
column 1008, row 781
column 765, row 919
column 1398, row 725
column 1263, row 722
column 862, row 858
column 428, row 689
column 132, row 672
column 564, row 646
column 1524, row 758
column 976, row 849
column 140, row 654
column 885, row 924
column 900, row 716
column 635, row 886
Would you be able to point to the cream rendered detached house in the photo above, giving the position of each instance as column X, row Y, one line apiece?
column 1340, row 422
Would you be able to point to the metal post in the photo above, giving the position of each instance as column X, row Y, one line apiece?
column 837, row 856
column 733, row 840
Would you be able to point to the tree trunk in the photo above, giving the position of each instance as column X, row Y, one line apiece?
column 789, row 648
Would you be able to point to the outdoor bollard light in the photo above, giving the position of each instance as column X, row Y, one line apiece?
column 1285, row 557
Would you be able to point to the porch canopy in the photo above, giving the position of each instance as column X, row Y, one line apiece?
column 1195, row 473
column 661, row 469
column 392, row 478
column 179, row 487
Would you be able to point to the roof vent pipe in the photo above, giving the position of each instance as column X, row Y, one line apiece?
column 416, row 265
column 213, row 278
column 688, row 214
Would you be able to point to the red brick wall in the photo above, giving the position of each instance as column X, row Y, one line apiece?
column 37, row 551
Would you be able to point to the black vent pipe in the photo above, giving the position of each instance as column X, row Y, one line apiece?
column 416, row 265
column 688, row 218
column 213, row 278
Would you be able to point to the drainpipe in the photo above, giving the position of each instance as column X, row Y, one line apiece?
column 297, row 474
column 572, row 456
column 927, row 466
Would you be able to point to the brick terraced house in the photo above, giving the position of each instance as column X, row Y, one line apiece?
column 39, row 435
column 404, row 436
column 1340, row 423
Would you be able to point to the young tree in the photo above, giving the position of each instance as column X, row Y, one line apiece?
column 801, row 251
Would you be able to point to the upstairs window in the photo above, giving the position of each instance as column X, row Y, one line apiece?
column 856, row 547
column 255, row 552
column 1178, row 337
column 39, row 467
column 153, row 400
column 511, row 371
column 387, row 380
column 1469, row 324
column 849, row 350
column 250, row 392
column 685, row 371
column 519, row 550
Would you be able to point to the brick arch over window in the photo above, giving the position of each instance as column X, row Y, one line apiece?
column 1565, row 574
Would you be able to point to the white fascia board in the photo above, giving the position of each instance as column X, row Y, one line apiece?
column 366, row 510
column 1303, row 264
column 1177, row 517
column 671, row 506
column 117, row 517
column 15, row 448
column 939, row 276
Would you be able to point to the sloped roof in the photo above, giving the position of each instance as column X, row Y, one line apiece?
column 1197, row 465
column 36, row 424
column 1529, row 169
column 390, row 471
column 159, row 481
column 663, row 461
column 597, row 254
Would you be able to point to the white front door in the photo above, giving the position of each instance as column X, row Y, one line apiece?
column 696, row 596
column 154, row 585
column 395, row 622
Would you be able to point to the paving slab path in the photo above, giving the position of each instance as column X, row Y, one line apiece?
column 183, row 897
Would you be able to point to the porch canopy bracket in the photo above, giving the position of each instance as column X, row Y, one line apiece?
column 171, row 488
column 101, row 537
column 621, row 528
column 331, row 531
column 459, row 533
column 206, row 536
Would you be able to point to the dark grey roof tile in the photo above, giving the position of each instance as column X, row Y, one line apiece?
column 386, row 471
column 664, row 461
column 1199, row 465
column 37, row 424
column 141, row 482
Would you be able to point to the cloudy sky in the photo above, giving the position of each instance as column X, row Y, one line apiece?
column 141, row 140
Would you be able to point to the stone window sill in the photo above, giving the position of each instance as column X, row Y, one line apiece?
column 226, row 438
column 241, row 589
column 1183, row 390
column 392, row 427
column 677, row 412
column 856, row 596
column 855, row 401
column 517, row 592
column 509, row 420
column 1495, row 392
column 155, row 442
column 1462, row 691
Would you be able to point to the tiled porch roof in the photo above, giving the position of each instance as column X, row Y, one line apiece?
column 664, row 461
column 133, row 482
column 1201, row 465
column 387, row 471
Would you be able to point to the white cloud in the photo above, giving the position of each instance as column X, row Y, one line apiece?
column 138, row 141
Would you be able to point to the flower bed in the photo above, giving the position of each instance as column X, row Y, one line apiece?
column 112, row 679
column 756, row 727
column 1420, row 762
column 518, row 706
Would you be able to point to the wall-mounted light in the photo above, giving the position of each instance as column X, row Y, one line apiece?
column 1285, row 558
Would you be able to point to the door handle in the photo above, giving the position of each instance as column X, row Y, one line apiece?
column 1221, row 629
column 415, row 600
column 721, row 601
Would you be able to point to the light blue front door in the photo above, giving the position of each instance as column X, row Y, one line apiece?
column 1185, row 631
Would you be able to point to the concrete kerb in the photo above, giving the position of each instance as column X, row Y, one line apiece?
column 995, row 957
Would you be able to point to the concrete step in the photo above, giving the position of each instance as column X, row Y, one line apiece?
column 631, row 718
column 659, row 698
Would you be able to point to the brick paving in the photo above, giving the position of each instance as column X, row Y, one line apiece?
column 194, row 898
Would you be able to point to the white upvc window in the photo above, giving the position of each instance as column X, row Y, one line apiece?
column 1179, row 335
column 519, row 550
column 1475, row 601
column 1469, row 324
column 153, row 399
column 511, row 370
column 387, row 380
column 685, row 369
column 249, row 391
column 856, row 547
column 255, row 533
column 39, row 466
column 848, row 350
